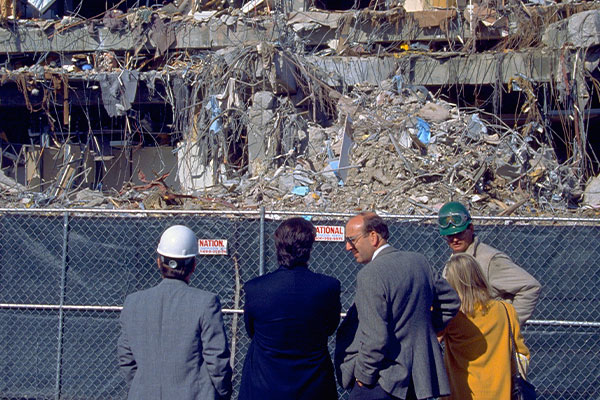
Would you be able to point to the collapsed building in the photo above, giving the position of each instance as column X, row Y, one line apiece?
column 397, row 106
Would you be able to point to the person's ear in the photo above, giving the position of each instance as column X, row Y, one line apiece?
column 158, row 264
column 374, row 238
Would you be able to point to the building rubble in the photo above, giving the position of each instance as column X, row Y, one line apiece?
column 409, row 153
column 306, row 111
column 394, row 166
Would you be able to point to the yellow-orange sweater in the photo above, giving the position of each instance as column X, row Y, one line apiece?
column 477, row 356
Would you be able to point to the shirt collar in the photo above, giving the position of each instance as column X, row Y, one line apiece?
column 472, row 249
column 379, row 250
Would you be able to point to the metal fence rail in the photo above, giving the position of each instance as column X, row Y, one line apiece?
column 65, row 273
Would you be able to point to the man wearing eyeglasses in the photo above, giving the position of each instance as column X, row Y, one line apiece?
column 507, row 280
column 386, row 347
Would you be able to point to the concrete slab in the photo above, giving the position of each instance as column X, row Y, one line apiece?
column 312, row 29
column 441, row 69
column 30, row 38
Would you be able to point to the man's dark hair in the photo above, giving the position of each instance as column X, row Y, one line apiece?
column 294, row 238
column 374, row 223
column 183, row 267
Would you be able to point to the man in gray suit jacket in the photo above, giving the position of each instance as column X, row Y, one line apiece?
column 173, row 343
column 387, row 348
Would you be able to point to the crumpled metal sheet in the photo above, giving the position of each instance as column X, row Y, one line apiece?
column 114, row 20
column 41, row 5
column 118, row 91
column 161, row 34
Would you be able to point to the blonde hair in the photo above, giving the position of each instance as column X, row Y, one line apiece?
column 464, row 274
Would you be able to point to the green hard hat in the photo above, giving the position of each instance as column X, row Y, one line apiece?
column 453, row 218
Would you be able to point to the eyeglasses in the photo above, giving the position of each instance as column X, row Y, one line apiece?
column 351, row 240
column 453, row 219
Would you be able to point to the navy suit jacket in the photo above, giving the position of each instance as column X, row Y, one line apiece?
column 289, row 314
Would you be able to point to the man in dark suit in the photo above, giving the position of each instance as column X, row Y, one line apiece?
column 173, row 343
column 289, row 314
column 387, row 346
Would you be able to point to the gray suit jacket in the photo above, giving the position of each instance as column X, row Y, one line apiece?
column 390, row 336
column 173, row 344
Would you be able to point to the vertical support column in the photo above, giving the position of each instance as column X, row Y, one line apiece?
column 63, row 277
column 261, row 263
column 66, row 111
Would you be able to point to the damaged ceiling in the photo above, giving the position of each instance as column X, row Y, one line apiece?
column 397, row 106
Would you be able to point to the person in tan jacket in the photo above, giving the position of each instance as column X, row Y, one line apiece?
column 507, row 280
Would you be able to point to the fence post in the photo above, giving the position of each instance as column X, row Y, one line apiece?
column 63, row 277
column 261, row 245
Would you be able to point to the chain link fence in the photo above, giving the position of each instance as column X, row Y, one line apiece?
column 64, row 275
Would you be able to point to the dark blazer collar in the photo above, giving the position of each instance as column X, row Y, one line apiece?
column 296, row 268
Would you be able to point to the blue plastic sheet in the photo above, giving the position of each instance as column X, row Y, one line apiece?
column 424, row 134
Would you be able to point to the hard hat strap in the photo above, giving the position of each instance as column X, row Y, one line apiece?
column 173, row 263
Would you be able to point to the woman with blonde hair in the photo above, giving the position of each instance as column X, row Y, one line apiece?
column 478, row 346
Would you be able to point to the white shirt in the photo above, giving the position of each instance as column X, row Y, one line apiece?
column 379, row 250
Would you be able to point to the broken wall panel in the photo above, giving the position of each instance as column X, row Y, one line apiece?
column 46, row 166
column 54, row 167
column 113, row 170
column 155, row 162
column 421, row 5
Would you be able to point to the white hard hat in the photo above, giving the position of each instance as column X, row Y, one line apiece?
column 178, row 241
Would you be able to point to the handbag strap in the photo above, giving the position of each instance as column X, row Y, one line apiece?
column 512, row 340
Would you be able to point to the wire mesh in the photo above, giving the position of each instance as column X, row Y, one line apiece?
column 64, row 276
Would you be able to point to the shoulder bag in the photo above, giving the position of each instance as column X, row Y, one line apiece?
column 521, row 389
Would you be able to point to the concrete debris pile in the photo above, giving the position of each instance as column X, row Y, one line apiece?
column 393, row 147
column 402, row 151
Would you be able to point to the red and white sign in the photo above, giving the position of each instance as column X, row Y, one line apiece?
column 212, row 247
column 330, row 233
